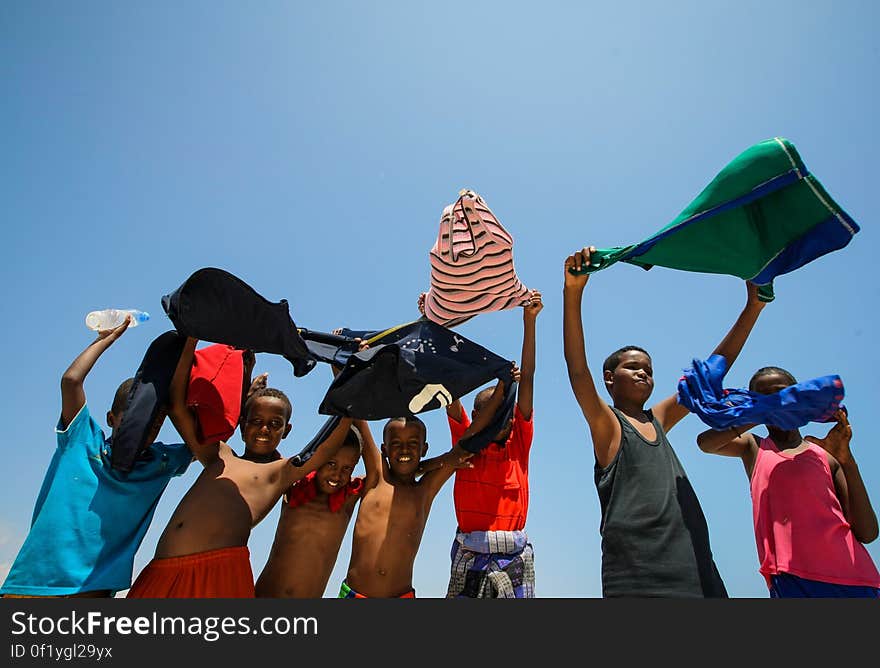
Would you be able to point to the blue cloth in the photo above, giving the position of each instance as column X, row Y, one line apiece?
column 700, row 391
column 90, row 519
column 786, row 585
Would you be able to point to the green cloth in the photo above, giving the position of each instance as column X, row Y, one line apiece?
column 763, row 215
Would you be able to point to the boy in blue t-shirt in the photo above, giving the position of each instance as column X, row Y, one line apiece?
column 90, row 519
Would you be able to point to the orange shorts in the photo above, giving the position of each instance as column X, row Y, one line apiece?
column 223, row 573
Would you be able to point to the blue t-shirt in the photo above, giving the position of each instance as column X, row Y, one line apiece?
column 90, row 519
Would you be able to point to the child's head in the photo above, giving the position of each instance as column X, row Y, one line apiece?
column 266, row 421
column 404, row 443
column 117, row 409
column 628, row 374
column 770, row 379
column 336, row 473
column 480, row 401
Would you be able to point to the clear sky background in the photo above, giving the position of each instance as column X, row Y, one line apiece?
column 310, row 148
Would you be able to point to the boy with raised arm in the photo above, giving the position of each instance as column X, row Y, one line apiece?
column 655, row 540
column 393, row 513
column 314, row 516
column 203, row 551
column 90, row 519
column 491, row 555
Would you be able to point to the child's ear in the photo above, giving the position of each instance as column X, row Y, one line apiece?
column 425, row 449
column 382, row 450
column 287, row 430
column 111, row 420
column 608, row 376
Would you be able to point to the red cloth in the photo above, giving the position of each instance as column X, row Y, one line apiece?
column 215, row 385
column 494, row 494
column 305, row 490
column 223, row 573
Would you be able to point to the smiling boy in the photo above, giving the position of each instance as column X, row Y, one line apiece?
column 203, row 551
column 314, row 516
column 394, row 511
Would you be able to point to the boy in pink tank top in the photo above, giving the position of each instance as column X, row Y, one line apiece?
column 811, row 511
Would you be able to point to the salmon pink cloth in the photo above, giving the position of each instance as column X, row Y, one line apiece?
column 471, row 264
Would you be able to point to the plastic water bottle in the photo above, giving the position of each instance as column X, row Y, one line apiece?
column 110, row 318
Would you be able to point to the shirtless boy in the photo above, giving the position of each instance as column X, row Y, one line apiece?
column 203, row 551
column 393, row 512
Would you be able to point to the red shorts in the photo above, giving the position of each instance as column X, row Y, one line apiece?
column 223, row 573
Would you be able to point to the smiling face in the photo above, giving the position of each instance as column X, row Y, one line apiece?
column 336, row 473
column 632, row 379
column 404, row 445
column 265, row 425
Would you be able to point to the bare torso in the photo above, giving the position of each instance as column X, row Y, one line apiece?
column 226, row 501
column 304, row 552
column 387, row 534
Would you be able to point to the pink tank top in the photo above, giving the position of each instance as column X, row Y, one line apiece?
column 800, row 527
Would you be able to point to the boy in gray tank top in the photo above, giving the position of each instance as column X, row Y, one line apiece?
column 655, row 540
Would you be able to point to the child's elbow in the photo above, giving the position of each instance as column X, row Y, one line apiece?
column 70, row 381
column 868, row 536
column 703, row 443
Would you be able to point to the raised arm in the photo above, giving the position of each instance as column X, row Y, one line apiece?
column 325, row 450
column 73, row 396
column 527, row 370
column 443, row 468
column 370, row 453
column 668, row 411
column 181, row 415
column 604, row 427
column 848, row 481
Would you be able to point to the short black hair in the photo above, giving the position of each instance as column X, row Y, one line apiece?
column 353, row 439
column 120, row 399
column 613, row 359
column 766, row 371
column 408, row 420
column 482, row 397
column 269, row 392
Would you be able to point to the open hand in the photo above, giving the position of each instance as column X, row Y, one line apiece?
column 116, row 332
column 260, row 382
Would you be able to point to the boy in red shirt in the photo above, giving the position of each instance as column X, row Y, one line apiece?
column 491, row 554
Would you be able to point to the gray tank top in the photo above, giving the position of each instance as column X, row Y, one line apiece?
column 655, row 540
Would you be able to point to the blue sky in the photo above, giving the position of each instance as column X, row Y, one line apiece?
column 309, row 149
